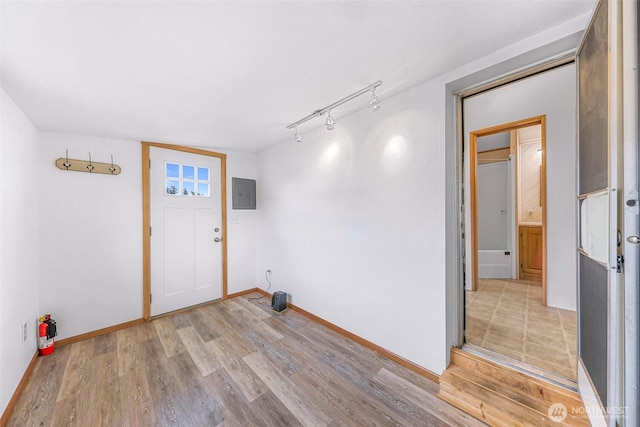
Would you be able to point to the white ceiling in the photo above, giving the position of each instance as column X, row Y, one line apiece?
column 234, row 74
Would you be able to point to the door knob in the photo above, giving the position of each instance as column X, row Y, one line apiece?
column 633, row 239
column 217, row 239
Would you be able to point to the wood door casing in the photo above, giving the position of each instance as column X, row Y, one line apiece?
column 146, row 217
column 473, row 188
column 531, row 265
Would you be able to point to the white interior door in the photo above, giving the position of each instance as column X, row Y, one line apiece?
column 186, row 229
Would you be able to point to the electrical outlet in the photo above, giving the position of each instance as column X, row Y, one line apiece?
column 25, row 332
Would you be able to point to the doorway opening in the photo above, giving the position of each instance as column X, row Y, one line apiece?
column 508, row 210
column 519, row 229
column 506, row 306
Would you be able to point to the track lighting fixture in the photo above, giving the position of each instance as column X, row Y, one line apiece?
column 329, row 123
column 374, row 104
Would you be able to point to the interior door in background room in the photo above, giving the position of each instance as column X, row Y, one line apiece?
column 186, row 229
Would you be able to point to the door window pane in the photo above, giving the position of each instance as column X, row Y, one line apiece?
column 188, row 172
column 172, row 170
column 203, row 174
column 173, row 187
column 203, row 189
column 188, row 188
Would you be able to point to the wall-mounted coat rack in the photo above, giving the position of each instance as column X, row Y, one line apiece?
column 65, row 163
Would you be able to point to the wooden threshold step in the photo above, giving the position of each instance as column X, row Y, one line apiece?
column 502, row 396
column 512, row 379
column 462, row 377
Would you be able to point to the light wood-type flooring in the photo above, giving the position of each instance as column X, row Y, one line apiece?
column 507, row 317
column 230, row 363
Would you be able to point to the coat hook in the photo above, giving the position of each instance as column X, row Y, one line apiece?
column 66, row 164
column 112, row 169
column 90, row 166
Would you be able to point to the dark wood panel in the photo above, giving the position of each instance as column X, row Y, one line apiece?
column 105, row 343
column 39, row 397
column 135, row 399
column 531, row 252
column 203, row 407
column 104, row 389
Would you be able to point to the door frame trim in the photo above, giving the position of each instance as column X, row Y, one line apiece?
column 146, row 216
column 473, row 176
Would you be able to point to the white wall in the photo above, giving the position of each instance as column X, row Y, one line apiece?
column 352, row 224
column 241, row 225
column 355, row 223
column 554, row 95
column 90, row 235
column 19, row 258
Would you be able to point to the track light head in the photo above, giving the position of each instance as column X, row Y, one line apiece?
column 329, row 123
column 297, row 136
column 374, row 102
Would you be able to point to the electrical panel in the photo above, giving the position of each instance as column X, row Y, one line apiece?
column 243, row 193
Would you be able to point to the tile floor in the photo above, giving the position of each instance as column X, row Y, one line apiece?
column 507, row 317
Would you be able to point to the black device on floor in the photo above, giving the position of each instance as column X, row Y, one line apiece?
column 279, row 301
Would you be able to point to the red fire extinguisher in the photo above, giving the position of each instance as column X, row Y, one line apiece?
column 46, row 332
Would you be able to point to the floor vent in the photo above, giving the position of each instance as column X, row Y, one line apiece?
column 502, row 396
